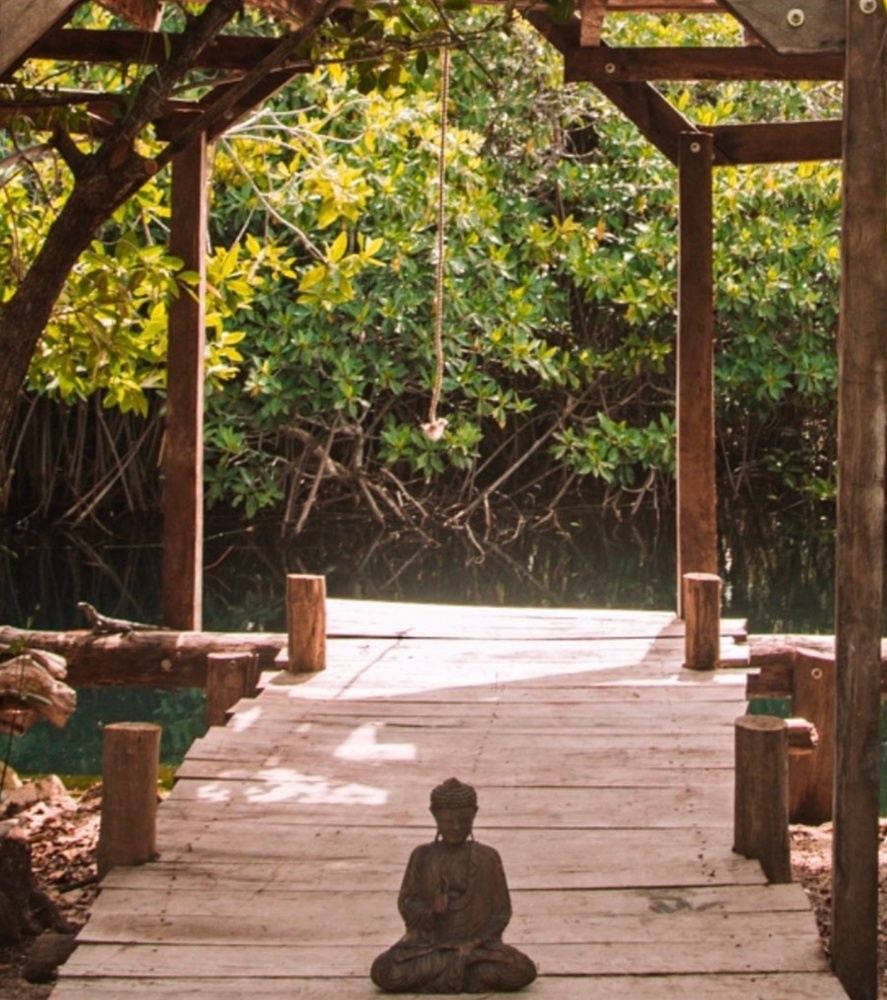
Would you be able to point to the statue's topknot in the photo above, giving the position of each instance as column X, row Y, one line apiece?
column 453, row 794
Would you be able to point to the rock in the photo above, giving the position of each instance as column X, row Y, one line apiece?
column 11, row 780
column 46, row 954
column 47, row 789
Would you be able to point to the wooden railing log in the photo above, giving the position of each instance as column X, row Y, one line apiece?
column 702, row 614
column 229, row 677
column 306, row 622
column 161, row 659
column 130, row 761
column 761, row 794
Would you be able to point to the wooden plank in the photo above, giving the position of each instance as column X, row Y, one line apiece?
column 774, row 954
column 697, row 529
column 633, row 65
column 403, row 619
column 785, row 986
column 654, row 906
column 23, row 22
column 779, row 142
column 612, row 772
column 182, row 570
column 290, row 802
column 340, row 921
column 860, row 529
column 815, row 27
column 332, row 856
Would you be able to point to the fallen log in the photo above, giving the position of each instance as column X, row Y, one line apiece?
column 161, row 659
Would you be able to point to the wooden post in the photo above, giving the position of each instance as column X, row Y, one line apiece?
column 229, row 677
column 130, row 759
column 760, row 815
column 696, row 498
column 811, row 778
column 306, row 622
column 183, row 441
column 860, row 530
column 702, row 614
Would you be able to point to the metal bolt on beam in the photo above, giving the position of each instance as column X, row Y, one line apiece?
column 695, row 147
column 796, row 17
column 868, row 6
column 610, row 68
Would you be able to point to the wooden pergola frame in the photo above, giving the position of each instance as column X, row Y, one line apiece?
column 803, row 40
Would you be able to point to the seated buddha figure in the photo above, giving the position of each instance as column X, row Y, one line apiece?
column 455, row 904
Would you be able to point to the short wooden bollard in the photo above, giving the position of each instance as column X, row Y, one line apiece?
column 306, row 622
column 760, row 819
column 702, row 621
column 229, row 677
column 130, row 761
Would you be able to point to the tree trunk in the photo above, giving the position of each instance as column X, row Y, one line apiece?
column 25, row 909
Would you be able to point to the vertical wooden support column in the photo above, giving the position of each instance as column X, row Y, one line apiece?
column 229, row 677
column 862, row 353
column 130, row 760
column 306, row 622
column 702, row 614
column 697, row 502
column 760, row 816
column 183, row 441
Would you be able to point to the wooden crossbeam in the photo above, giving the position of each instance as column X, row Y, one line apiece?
column 752, row 62
column 227, row 52
column 779, row 142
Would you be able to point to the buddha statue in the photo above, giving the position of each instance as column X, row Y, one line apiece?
column 455, row 904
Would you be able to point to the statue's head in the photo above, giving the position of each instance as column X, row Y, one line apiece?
column 454, row 806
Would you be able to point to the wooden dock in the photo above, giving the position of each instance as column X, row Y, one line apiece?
column 605, row 781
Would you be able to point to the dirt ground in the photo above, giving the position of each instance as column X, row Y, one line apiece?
column 811, row 866
column 62, row 836
column 63, row 839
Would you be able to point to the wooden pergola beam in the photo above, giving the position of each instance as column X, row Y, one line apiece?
column 862, row 413
column 779, row 142
column 753, row 62
column 183, row 447
column 225, row 52
column 697, row 530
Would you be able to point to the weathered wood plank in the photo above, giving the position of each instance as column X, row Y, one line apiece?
column 775, row 954
column 785, row 986
column 340, row 922
column 291, row 802
column 771, row 901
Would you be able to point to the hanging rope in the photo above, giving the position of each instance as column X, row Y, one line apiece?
column 434, row 429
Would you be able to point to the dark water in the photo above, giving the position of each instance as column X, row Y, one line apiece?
column 778, row 574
